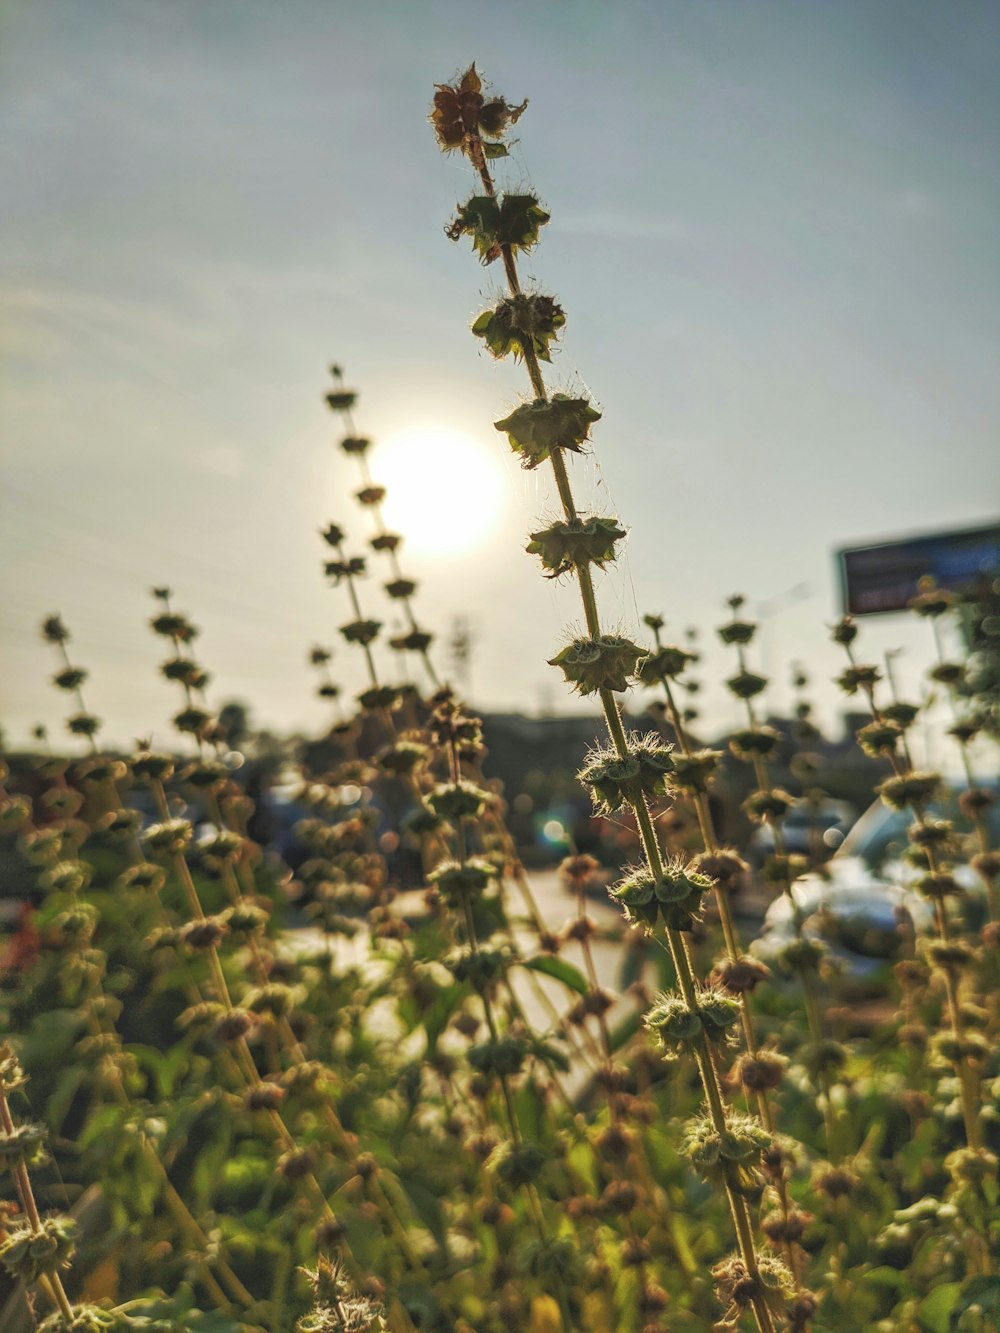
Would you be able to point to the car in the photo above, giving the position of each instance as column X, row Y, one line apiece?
column 863, row 907
column 809, row 829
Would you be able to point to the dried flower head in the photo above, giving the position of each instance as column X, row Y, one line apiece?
column 465, row 119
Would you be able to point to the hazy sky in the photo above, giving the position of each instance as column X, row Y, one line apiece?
column 774, row 230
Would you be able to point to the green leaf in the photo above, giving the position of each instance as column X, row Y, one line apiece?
column 883, row 1277
column 435, row 1018
column 935, row 1310
column 981, row 1292
column 494, row 150
column 558, row 968
column 427, row 1206
column 623, row 1033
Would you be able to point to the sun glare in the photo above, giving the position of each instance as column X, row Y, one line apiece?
column 444, row 490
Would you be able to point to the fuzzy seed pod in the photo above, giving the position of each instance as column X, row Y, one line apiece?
column 931, row 832
column 614, row 1143
column 737, row 1288
column 932, row 602
column 802, row 955
column 274, row 999
column 986, row 864
column 913, row 1035
column 746, row 684
column 386, row 541
column 754, row 742
column 677, row 1027
column 119, row 826
column 578, row 870
column 948, row 953
column 27, row 1254
column 193, row 721
column 676, row 895
column 740, row 975
column 66, row 877
column 974, row 800
column 725, row 866
column 263, row 1097
column 169, row 838
column 458, row 800
column 863, row 676
column 366, row 1166
column 762, row 1072
column 666, row 662
column 938, row 884
column 172, row 625
column 971, row 1166
column 362, row 632
column 333, row 535
column 903, row 715
column 70, row 678
column 54, row 631
column 97, row 772
column 518, row 1164
column 204, row 934
column 532, row 321
column 823, row 1056
column 641, row 776
column 911, row 974
column 844, row 632
column 63, row 802
column 499, row 1058
column 233, row 1025
column 41, row 847
column 947, row 673
column 635, row 1251
column 296, row 1163
column 737, row 631
column 495, row 223
column 83, row 724
column 378, row 697
column 413, row 641
column 651, row 1300
column 592, row 665
column 766, row 807
column 784, row 869
column 693, row 772
column 534, row 430
column 836, row 1182
column 152, row 767
column 576, row 544
column 330, row 1233
column 915, row 788
column 879, row 738
column 462, row 118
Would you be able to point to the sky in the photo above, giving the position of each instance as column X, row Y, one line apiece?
column 773, row 229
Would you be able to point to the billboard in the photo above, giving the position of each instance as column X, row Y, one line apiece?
column 884, row 577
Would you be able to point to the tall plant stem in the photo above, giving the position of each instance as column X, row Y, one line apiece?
column 706, row 826
column 381, row 531
column 967, row 1074
column 650, row 843
column 54, row 1288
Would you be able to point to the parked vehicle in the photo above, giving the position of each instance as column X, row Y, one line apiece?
column 863, row 907
column 813, row 830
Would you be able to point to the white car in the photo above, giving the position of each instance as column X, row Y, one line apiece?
column 863, row 908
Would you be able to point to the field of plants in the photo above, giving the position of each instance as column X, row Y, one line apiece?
column 429, row 1110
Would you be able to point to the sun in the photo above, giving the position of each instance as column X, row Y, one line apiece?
column 444, row 491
